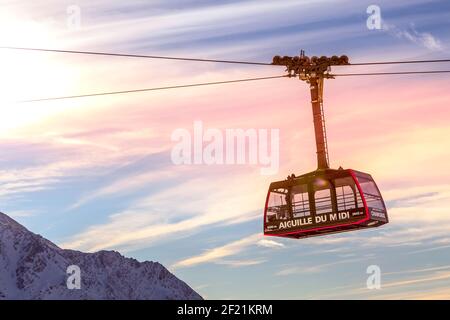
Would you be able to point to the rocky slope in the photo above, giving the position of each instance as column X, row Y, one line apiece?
column 31, row 267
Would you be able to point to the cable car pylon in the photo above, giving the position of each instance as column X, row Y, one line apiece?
column 326, row 200
column 316, row 85
column 313, row 71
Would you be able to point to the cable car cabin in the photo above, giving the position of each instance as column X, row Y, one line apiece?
column 322, row 202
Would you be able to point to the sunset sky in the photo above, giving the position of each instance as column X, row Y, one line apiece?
column 96, row 173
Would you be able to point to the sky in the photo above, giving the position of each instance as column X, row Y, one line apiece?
column 97, row 173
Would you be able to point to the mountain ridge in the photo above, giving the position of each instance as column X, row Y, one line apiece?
column 33, row 267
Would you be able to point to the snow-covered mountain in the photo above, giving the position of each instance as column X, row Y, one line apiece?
column 31, row 267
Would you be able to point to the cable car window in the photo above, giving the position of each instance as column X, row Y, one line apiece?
column 300, row 201
column 277, row 208
column 322, row 200
column 347, row 194
column 371, row 193
column 345, row 198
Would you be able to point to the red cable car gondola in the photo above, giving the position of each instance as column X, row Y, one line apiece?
column 323, row 202
column 326, row 200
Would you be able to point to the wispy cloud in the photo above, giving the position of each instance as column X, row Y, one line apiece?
column 304, row 269
column 125, row 185
column 270, row 243
column 418, row 270
column 430, row 249
column 240, row 263
column 424, row 39
column 157, row 217
column 217, row 254
column 394, row 289
column 23, row 213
